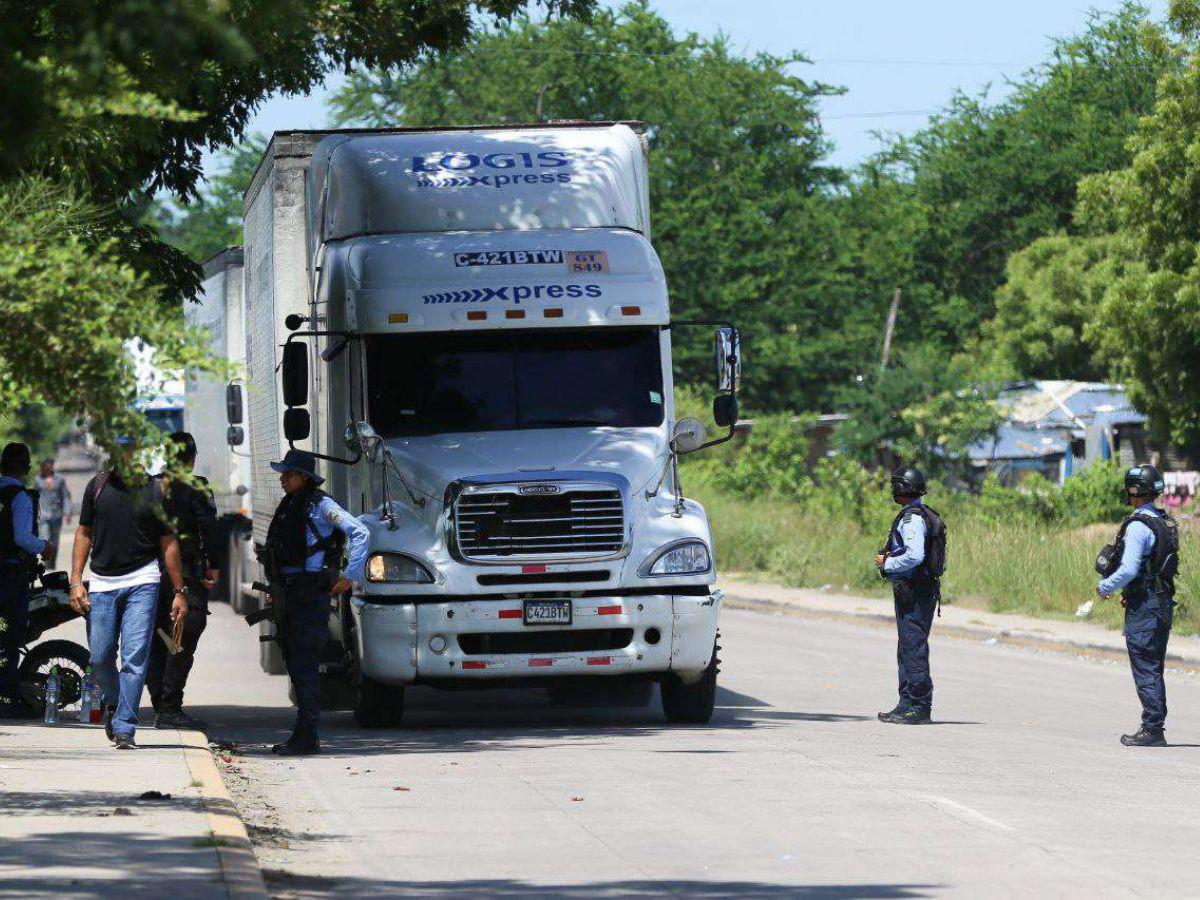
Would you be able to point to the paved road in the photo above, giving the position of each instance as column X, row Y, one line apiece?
column 793, row 790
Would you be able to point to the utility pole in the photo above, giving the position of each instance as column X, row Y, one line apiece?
column 891, row 326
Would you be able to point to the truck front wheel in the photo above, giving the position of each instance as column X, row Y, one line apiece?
column 691, row 704
column 378, row 705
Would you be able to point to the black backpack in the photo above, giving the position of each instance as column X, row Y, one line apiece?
column 935, row 539
column 1163, row 564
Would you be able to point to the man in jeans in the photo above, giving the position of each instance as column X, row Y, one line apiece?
column 54, row 505
column 123, row 528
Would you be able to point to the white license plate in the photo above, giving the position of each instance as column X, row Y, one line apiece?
column 547, row 612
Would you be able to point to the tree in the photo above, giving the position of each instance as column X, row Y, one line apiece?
column 1149, row 321
column 990, row 179
column 102, row 106
column 742, row 213
column 213, row 220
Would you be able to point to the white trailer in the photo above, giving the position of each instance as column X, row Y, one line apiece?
column 212, row 413
column 472, row 331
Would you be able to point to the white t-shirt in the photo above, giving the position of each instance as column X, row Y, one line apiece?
column 147, row 574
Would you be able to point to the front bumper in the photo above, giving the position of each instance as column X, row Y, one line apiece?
column 394, row 639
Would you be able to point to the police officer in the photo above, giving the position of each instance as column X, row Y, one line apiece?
column 908, row 562
column 19, row 547
column 193, row 515
column 301, row 537
column 1149, row 600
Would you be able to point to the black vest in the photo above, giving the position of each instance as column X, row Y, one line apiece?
column 293, row 535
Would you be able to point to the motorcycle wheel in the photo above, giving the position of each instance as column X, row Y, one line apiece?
column 72, row 661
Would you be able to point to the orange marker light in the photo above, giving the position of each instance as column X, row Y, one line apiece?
column 631, row 310
column 553, row 313
column 476, row 316
column 514, row 314
column 397, row 318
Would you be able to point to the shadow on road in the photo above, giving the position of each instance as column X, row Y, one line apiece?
column 439, row 721
column 285, row 886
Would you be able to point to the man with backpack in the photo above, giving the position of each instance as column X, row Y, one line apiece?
column 123, row 528
column 1147, row 549
column 913, row 560
column 19, row 548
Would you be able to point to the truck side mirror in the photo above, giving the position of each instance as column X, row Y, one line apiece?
column 296, row 424
column 233, row 405
column 725, row 410
column 295, row 374
column 235, row 436
column 688, row 435
column 728, row 347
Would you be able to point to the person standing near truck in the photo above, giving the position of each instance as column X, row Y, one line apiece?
column 305, row 541
column 19, row 546
column 913, row 561
column 123, row 528
column 1147, row 547
column 193, row 514
column 54, row 507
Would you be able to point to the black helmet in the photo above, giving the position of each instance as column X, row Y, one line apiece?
column 908, row 482
column 1144, row 481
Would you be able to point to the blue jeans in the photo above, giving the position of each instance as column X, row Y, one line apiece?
column 127, row 614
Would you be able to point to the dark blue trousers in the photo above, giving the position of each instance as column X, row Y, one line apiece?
column 14, row 610
column 306, row 631
column 915, row 601
column 1148, row 619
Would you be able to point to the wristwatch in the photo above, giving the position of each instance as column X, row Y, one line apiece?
column 181, row 591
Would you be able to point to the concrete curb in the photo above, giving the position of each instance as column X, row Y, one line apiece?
column 239, row 866
column 1011, row 637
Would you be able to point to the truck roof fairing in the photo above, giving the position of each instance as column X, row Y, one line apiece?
column 495, row 279
column 540, row 177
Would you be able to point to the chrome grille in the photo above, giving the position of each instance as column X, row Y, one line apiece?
column 577, row 521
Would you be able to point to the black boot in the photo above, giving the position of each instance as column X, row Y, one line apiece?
column 1145, row 737
column 301, row 743
column 177, row 718
column 106, row 718
column 900, row 716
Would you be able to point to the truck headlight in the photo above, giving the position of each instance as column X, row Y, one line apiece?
column 396, row 568
column 682, row 558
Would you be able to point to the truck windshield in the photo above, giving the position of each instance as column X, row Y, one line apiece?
column 504, row 380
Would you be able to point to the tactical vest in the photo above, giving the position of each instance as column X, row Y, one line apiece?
column 1159, row 569
column 292, row 526
column 9, row 549
column 934, row 563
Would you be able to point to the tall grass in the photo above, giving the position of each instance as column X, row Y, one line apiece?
column 1035, row 568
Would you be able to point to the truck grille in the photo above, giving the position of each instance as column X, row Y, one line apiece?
column 588, row 521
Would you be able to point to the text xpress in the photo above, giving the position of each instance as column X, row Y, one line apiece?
column 517, row 293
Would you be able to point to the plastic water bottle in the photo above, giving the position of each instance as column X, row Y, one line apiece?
column 87, row 696
column 52, row 685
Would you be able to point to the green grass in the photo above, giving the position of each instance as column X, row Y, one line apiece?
column 1034, row 570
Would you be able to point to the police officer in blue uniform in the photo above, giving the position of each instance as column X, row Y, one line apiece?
column 906, row 563
column 19, row 548
column 302, row 537
column 1147, row 540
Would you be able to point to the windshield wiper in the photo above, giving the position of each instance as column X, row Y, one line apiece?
column 533, row 423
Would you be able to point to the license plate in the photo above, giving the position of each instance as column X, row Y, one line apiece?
column 547, row 612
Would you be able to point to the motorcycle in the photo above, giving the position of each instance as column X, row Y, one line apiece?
column 49, row 607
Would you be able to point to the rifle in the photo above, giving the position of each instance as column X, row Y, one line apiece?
column 275, row 611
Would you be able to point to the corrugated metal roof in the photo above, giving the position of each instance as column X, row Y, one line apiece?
column 1015, row 442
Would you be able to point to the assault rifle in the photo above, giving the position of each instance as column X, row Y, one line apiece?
column 275, row 611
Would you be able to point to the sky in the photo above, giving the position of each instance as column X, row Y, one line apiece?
column 899, row 62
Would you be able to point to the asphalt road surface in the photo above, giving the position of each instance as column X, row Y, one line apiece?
column 793, row 790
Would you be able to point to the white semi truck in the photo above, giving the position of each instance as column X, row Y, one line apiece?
column 471, row 329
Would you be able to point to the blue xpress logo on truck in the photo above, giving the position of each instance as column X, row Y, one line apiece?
column 494, row 170
column 516, row 293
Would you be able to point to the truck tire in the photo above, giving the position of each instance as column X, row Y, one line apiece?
column 379, row 705
column 232, row 573
column 691, row 704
